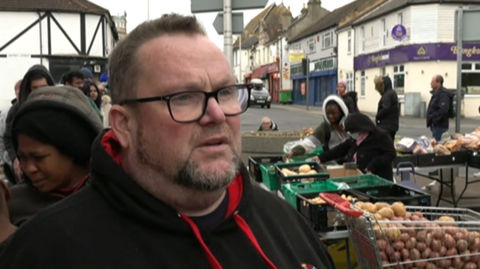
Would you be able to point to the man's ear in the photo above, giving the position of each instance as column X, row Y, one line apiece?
column 122, row 122
column 5, row 190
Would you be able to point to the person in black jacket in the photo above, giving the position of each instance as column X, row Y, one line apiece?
column 349, row 98
column 438, row 107
column 388, row 112
column 36, row 77
column 370, row 147
column 168, row 189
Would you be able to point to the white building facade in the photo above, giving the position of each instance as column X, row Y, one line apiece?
column 62, row 41
column 411, row 44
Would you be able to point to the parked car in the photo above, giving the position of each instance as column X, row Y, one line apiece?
column 259, row 95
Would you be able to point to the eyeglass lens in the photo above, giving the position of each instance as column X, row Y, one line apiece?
column 189, row 106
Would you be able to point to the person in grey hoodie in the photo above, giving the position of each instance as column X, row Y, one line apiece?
column 36, row 77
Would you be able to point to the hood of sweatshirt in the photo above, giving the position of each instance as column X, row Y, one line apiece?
column 127, row 197
column 339, row 101
column 25, row 86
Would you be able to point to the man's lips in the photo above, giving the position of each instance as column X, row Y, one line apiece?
column 215, row 141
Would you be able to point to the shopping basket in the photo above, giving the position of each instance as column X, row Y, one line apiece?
column 425, row 241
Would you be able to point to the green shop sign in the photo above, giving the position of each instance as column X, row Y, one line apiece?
column 296, row 70
column 325, row 64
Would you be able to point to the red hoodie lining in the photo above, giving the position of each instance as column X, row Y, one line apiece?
column 235, row 191
column 64, row 192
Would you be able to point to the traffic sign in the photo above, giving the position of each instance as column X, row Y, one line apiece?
column 470, row 20
column 204, row 6
column 237, row 23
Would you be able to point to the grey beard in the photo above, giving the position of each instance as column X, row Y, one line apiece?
column 191, row 177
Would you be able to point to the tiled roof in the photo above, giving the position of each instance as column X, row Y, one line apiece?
column 394, row 5
column 52, row 5
column 329, row 20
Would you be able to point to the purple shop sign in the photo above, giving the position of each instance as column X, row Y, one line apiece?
column 417, row 53
column 399, row 32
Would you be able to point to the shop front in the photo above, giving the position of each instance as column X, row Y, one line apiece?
column 269, row 74
column 412, row 67
column 322, row 82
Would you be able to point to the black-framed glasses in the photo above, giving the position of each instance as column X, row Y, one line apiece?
column 190, row 106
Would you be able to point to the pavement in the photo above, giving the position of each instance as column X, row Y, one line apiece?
column 295, row 117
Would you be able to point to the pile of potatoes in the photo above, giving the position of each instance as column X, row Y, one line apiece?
column 420, row 243
column 302, row 170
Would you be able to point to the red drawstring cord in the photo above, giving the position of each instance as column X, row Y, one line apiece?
column 243, row 225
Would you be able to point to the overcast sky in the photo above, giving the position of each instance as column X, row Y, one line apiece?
column 137, row 11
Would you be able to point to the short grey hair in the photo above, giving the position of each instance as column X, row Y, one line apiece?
column 124, row 65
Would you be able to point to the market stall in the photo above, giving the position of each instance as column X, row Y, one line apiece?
column 456, row 151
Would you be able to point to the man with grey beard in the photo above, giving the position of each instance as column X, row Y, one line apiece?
column 168, row 189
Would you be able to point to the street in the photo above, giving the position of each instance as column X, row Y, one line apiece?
column 294, row 117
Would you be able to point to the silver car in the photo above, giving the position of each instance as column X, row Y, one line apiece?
column 259, row 95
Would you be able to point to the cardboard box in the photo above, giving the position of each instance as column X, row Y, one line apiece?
column 345, row 170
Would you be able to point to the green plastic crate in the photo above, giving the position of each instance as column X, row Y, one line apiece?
column 316, row 152
column 291, row 190
column 269, row 176
column 358, row 181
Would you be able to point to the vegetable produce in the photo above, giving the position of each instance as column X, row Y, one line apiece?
column 422, row 241
column 320, row 201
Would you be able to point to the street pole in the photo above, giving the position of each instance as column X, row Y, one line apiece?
column 307, row 81
column 459, row 68
column 227, row 31
column 240, row 58
column 148, row 9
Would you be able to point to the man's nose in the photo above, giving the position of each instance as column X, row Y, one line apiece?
column 213, row 112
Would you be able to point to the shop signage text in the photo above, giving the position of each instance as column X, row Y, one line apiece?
column 324, row 64
column 417, row 52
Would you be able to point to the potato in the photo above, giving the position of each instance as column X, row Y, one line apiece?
column 399, row 209
column 421, row 236
column 435, row 254
column 476, row 256
column 421, row 264
column 462, row 245
column 415, row 255
column 466, row 255
column 421, row 246
column 431, row 265
column 382, row 244
column 443, row 251
column 444, row 263
column 404, row 237
column 385, row 212
column 405, row 253
column 380, row 205
column 411, row 243
column 399, row 245
column 286, row 172
column 451, row 252
column 475, row 245
column 439, row 234
column 304, row 168
column 311, row 172
column 426, row 253
column 383, row 256
column 436, row 245
column 470, row 265
column 457, row 262
column 369, row 207
column 449, row 241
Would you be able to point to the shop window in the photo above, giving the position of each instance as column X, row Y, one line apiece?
column 362, row 39
column 327, row 41
column 471, row 78
column 399, row 79
column 363, row 82
column 383, row 33
column 311, row 45
column 383, row 71
column 350, row 82
column 297, row 47
column 349, row 44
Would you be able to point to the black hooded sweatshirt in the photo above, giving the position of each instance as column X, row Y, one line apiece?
column 375, row 154
column 388, row 111
column 114, row 223
column 22, row 97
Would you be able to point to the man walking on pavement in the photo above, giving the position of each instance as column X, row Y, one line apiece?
column 437, row 112
column 168, row 188
column 388, row 112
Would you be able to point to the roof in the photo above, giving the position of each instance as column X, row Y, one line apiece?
column 394, row 5
column 330, row 20
column 272, row 19
column 248, row 43
column 80, row 6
